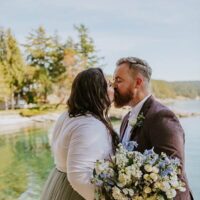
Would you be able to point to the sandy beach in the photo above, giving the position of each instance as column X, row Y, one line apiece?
column 10, row 123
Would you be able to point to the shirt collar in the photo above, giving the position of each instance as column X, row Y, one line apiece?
column 136, row 109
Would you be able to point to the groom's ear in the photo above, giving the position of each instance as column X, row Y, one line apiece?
column 139, row 81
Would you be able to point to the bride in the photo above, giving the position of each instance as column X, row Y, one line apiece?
column 81, row 135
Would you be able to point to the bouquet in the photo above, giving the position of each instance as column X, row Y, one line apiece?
column 131, row 175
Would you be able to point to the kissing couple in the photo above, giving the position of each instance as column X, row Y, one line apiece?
column 84, row 134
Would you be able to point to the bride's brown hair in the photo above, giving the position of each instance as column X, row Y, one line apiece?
column 89, row 95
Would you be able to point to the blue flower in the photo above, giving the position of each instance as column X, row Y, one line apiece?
column 166, row 172
column 149, row 152
column 164, row 163
column 110, row 183
column 104, row 175
column 161, row 164
column 153, row 160
column 175, row 161
column 130, row 146
column 150, row 156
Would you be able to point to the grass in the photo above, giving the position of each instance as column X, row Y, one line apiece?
column 38, row 110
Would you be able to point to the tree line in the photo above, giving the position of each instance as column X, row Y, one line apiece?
column 164, row 89
column 46, row 65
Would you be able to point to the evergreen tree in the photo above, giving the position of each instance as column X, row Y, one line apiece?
column 39, row 55
column 73, row 64
column 78, row 56
column 56, row 67
column 38, row 48
column 5, row 92
column 86, row 48
column 12, row 65
column 30, row 93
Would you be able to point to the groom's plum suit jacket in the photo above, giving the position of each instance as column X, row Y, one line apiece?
column 162, row 130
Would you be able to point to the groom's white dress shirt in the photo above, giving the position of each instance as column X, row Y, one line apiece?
column 133, row 116
column 76, row 144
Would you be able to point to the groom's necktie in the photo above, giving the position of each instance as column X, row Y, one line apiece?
column 124, row 126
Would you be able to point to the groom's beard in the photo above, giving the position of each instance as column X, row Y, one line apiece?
column 122, row 99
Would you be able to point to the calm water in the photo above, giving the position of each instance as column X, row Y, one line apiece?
column 186, row 106
column 192, row 150
column 25, row 161
column 25, row 158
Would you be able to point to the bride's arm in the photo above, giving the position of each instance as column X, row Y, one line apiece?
column 87, row 144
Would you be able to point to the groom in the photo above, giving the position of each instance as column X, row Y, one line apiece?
column 156, row 125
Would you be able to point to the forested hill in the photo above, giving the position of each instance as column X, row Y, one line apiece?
column 173, row 89
column 165, row 89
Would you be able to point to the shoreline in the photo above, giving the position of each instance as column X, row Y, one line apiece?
column 12, row 121
column 14, row 124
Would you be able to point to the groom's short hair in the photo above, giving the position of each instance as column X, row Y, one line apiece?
column 137, row 64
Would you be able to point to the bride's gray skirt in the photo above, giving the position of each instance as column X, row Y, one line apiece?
column 58, row 187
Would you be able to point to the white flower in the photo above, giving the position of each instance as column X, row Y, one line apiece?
column 117, row 195
column 131, row 192
column 128, row 191
column 182, row 189
column 134, row 171
column 124, row 179
column 101, row 166
column 148, row 168
column 157, row 185
column 139, row 158
column 171, row 193
column 174, row 177
column 174, row 183
column 147, row 190
column 130, row 154
column 165, row 186
column 111, row 172
column 154, row 176
column 155, row 170
column 125, row 191
column 154, row 197
column 121, row 160
column 138, row 198
column 146, row 177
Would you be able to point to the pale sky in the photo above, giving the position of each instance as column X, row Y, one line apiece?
column 166, row 33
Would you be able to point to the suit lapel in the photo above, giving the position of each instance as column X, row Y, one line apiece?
column 143, row 112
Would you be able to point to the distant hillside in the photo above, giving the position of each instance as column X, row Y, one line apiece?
column 173, row 89
column 165, row 89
